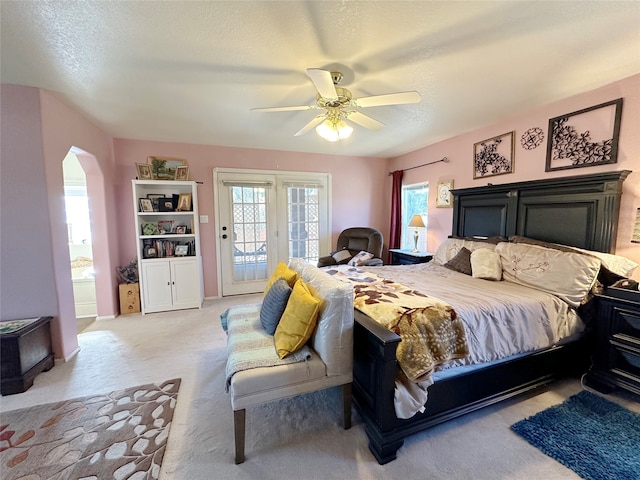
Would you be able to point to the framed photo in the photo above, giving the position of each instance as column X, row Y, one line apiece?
column 165, row 204
column 184, row 202
column 149, row 228
column 145, row 205
column 584, row 138
column 182, row 172
column 149, row 252
column 181, row 229
column 144, row 171
column 444, row 199
column 164, row 168
column 155, row 200
column 165, row 226
column 494, row 156
column 181, row 250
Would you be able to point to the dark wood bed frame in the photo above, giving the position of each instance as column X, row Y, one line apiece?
column 580, row 211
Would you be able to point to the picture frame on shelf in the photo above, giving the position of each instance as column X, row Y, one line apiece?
column 584, row 138
column 181, row 250
column 165, row 204
column 444, row 199
column 155, row 197
column 144, row 171
column 494, row 156
column 165, row 226
column 149, row 252
column 182, row 173
column 145, row 205
column 164, row 168
column 184, row 202
column 181, row 229
column 149, row 228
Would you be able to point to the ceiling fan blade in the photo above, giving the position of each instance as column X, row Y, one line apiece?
column 283, row 109
column 323, row 83
column 389, row 99
column 365, row 121
column 309, row 126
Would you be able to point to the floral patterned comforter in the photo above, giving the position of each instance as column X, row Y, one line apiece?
column 431, row 332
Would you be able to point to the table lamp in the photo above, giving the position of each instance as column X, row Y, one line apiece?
column 416, row 222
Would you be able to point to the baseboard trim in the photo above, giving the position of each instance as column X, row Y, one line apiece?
column 106, row 317
column 70, row 356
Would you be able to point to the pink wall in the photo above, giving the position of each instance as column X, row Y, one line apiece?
column 356, row 188
column 530, row 164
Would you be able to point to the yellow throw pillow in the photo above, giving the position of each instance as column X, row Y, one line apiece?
column 281, row 271
column 298, row 320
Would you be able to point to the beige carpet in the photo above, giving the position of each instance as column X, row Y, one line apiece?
column 298, row 438
column 118, row 435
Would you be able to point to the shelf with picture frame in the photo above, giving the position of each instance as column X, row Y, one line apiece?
column 168, row 244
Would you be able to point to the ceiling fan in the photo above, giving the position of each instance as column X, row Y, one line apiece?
column 339, row 106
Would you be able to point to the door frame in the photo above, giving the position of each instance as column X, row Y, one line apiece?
column 325, row 245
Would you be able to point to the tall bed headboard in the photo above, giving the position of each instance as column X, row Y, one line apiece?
column 580, row 211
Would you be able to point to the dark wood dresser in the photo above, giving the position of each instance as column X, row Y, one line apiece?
column 25, row 351
column 407, row 257
column 616, row 356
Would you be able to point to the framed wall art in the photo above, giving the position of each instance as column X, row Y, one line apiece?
column 144, row 171
column 444, row 198
column 494, row 156
column 584, row 138
column 164, row 168
column 182, row 173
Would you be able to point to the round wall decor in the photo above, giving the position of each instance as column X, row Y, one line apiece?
column 532, row 138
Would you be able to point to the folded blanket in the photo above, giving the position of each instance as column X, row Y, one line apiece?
column 249, row 345
column 430, row 330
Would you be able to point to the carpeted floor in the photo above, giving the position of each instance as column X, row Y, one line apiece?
column 290, row 439
column 594, row 437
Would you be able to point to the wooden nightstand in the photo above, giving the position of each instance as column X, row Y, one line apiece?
column 616, row 356
column 407, row 257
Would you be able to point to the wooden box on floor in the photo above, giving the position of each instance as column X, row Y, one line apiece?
column 129, row 298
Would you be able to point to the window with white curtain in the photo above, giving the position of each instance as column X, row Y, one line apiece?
column 414, row 202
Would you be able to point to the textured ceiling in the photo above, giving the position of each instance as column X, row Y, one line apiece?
column 191, row 71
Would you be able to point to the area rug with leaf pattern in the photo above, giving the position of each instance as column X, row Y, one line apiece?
column 596, row 438
column 119, row 435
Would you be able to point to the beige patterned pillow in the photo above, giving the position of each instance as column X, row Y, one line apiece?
column 451, row 246
column 566, row 275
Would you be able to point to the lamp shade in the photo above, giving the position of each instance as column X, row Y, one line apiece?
column 635, row 236
column 416, row 222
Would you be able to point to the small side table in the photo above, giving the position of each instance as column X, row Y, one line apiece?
column 407, row 257
column 25, row 351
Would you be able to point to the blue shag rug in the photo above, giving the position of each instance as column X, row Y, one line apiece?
column 592, row 436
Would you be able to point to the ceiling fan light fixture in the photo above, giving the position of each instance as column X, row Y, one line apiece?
column 334, row 129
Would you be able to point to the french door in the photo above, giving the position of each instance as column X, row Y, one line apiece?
column 264, row 218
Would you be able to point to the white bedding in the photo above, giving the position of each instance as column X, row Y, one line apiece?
column 500, row 318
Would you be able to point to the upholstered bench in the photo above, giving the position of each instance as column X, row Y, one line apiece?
column 325, row 361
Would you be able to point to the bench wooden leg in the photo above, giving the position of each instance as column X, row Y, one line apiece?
column 238, row 430
column 346, row 406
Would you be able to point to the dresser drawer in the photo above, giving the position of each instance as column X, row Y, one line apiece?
column 626, row 322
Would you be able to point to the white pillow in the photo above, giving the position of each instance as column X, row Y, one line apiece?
column 451, row 246
column 486, row 264
column 566, row 275
column 341, row 255
column 360, row 258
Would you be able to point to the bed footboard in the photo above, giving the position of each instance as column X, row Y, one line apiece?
column 375, row 368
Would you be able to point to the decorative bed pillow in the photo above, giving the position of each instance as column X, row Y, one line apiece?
column 341, row 256
column 281, row 271
column 451, row 246
column 566, row 275
column 461, row 262
column 273, row 305
column 486, row 264
column 298, row 320
column 360, row 258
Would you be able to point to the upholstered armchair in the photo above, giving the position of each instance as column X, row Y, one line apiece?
column 352, row 241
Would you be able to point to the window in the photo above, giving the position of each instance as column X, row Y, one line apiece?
column 414, row 202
